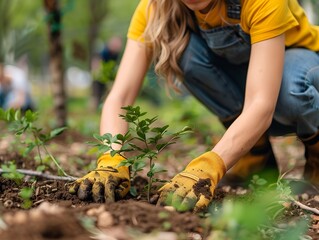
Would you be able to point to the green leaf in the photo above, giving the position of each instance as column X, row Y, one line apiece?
column 41, row 168
column 56, row 132
column 31, row 116
column 28, row 149
column 160, row 130
column 104, row 148
column 138, row 166
column 261, row 182
column 141, row 135
column 150, row 174
column 187, row 129
column 125, row 163
column 11, row 172
column 108, row 137
column 120, row 137
column 17, row 115
column 97, row 137
column 5, row 168
column 133, row 191
column 158, row 169
column 26, row 193
column 26, row 204
column 113, row 153
column 159, row 147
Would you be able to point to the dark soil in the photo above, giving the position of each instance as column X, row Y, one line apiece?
column 56, row 214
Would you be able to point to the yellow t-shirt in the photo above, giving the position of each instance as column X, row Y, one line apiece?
column 260, row 19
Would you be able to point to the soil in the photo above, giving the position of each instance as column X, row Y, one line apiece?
column 56, row 214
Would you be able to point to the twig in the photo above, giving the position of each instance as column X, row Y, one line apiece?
column 305, row 207
column 39, row 174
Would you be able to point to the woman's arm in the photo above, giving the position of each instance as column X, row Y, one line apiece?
column 262, row 90
column 128, row 82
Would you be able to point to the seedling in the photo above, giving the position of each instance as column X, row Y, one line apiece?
column 144, row 140
column 12, row 173
column 257, row 182
column 26, row 194
column 24, row 125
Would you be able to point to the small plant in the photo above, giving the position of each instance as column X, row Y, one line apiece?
column 256, row 215
column 11, row 172
column 257, row 182
column 166, row 225
column 26, row 194
column 143, row 139
column 24, row 125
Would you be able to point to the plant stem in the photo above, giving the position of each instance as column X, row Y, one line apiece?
column 55, row 161
column 38, row 147
column 150, row 181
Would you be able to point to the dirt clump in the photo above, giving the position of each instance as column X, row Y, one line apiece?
column 45, row 222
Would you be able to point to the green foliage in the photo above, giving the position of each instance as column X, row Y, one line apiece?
column 143, row 139
column 24, row 124
column 257, row 182
column 10, row 172
column 255, row 216
column 26, row 194
column 107, row 72
column 20, row 17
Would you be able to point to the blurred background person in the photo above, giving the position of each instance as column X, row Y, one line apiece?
column 15, row 91
column 103, row 67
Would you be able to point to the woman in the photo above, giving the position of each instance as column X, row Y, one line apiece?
column 254, row 63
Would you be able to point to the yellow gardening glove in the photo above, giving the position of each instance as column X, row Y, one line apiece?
column 107, row 182
column 193, row 189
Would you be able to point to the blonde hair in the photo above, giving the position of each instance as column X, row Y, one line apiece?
column 167, row 33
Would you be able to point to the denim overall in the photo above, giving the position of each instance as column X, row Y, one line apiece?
column 215, row 65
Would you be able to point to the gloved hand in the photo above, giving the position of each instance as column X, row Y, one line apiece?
column 106, row 182
column 193, row 188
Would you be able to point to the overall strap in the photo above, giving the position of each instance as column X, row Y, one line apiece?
column 233, row 8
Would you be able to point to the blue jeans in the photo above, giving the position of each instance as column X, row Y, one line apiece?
column 215, row 65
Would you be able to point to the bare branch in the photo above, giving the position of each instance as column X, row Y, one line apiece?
column 43, row 175
column 305, row 207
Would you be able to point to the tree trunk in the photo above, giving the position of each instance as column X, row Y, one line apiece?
column 4, row 26
column 56, row 60
column 97, row 12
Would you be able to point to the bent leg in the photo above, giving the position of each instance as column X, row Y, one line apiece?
column 208, row 78
column 298, row 102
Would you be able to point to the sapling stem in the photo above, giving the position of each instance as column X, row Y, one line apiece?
column 150, row 180
column 56, row 162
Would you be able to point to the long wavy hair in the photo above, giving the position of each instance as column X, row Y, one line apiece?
column 167, row 33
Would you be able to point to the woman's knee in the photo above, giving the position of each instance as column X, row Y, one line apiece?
column 299, row 92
